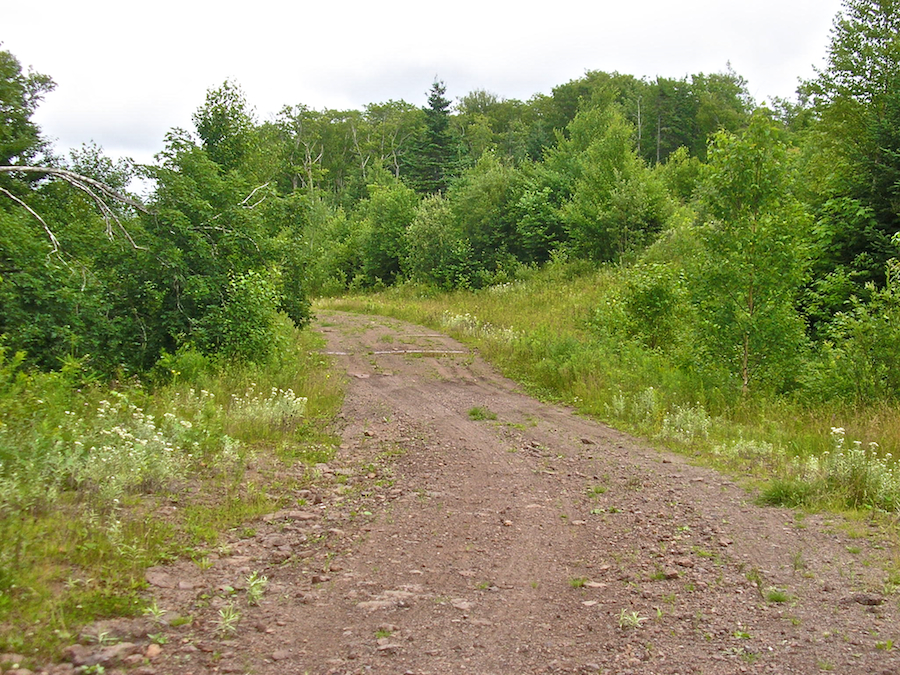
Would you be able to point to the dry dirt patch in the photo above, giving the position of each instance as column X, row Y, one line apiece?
column 535, row 542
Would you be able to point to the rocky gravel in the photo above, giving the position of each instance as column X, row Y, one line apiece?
column 536, row 542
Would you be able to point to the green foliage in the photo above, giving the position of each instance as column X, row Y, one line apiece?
column 844, row 238
column 81, row 466
column 224, row 251
column 481, row 203
column 616, row 203
column 388, row 213
column 746, row 283
column 538, row 230
column 487, row 122
column 69, row 305
column 655, row 305
column 89, row 160
column 430, row 165
column 858, row 358
column 855, row 146
column 20, row 95
column 437, row 251
column 863, row 57
column 224, row 124
column 681, row 173
column 242, row 327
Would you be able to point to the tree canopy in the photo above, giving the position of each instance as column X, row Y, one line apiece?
column 772, row 231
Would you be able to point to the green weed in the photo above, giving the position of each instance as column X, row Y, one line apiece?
column 480, row 414
column 256, row 586
column 630, row 619
column 777, row 595
column 227, row 621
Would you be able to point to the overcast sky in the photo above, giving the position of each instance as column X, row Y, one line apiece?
column 127, row 72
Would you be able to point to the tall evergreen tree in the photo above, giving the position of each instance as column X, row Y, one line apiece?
column 431, row 166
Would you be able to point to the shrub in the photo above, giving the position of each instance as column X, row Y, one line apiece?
column 243, row 327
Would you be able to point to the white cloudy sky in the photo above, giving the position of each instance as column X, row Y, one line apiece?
column 127, row 72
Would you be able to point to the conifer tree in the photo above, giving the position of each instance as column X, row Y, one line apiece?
column 431, row 164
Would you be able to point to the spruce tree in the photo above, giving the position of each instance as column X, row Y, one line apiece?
column 431, row 164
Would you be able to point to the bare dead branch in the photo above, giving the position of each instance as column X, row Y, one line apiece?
column 248, row 197
column 90, row 187
column 53, row 241
column 63, row 173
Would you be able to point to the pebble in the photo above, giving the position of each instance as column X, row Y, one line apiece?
column 159, row 578
column 78, row 655
column 867, row 599
column 389, row 648
column 116, row 653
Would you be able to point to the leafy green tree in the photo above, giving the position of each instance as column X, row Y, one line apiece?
column 225, row 124
column 863, row 59
column 301, row 131
column 61, row 283
column 654, row 305
column 854, row 148
column 487, row 122
column 438, row 252
column 215, row 248
column 389, row 210
column 616, row 203
column 681, row 173
column 20, row 95
column 539, row 231
column 386, row 134
column 242, row 326
column 319, row 246
column 482, row 202
column 89, row 160
column 746, row 284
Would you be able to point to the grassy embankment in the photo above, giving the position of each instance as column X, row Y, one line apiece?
column 556, row 333
column 100, row 481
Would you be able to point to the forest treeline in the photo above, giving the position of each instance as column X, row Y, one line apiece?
column 755, row 243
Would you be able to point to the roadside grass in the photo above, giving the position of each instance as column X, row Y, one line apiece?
column 555, row 331
column 100, row 481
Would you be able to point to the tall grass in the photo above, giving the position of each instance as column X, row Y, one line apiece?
column 86, row 467
column 556, row 331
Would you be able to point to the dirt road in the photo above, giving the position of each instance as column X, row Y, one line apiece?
column 441, row 540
